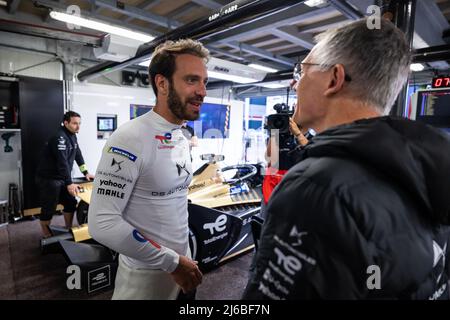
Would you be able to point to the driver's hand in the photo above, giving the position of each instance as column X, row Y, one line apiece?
column 89, row 177
column 187, row 274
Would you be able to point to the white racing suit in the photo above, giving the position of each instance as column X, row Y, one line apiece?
column 139, row 205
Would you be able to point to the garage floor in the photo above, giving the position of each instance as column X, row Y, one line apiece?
column 27, row 274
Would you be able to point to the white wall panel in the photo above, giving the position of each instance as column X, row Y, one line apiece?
column 10, row 171
column 15, row 59
column 92, row 99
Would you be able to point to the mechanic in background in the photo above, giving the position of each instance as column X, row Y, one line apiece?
column 365, row 214
column 139, row 201
column 53, row 174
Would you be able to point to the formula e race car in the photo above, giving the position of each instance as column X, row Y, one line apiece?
column 222, row 202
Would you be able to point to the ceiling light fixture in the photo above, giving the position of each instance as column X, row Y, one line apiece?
column 263, row 68
column 230, row 77
column 275, row 84
column 145, row 63
column 314, row 3
column 91, row 24
column 416, row 67
column 232, row 71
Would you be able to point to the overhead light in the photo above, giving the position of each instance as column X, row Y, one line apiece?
column 231, row 71
column 117, row 48
column 91, row 24
column 230, row 77
column 275, row 84
column 145, row 63
column 416, row 67
column 263, row 68
column 315, row 3
column 3, row 3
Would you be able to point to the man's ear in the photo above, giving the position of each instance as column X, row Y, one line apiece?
column 336, row 79
column 162, row 84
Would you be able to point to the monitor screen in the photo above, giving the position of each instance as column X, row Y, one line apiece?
column 433, row 107
column 213, row 122
column 106, row 123
column 434, row 103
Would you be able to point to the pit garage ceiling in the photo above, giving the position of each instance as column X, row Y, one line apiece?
column 275, row 41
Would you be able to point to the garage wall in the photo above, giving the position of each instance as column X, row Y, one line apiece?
column 12, row 59
column 9, row 164
column 15, row 59
column 92, row 99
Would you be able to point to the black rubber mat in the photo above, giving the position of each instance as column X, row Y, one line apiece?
column 25, row 273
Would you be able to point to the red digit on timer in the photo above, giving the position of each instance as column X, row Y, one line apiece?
column 438, row 82
column 447, row 80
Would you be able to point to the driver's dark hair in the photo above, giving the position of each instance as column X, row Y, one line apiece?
column 70, row 114
column 163, row 58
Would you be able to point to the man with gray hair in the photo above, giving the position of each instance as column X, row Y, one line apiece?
column 365, row 213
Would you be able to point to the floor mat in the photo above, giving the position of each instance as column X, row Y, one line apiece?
column 25, row 273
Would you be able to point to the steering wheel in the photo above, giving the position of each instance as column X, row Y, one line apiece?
column 245, row 167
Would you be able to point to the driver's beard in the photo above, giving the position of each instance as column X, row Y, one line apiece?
column 177, row 107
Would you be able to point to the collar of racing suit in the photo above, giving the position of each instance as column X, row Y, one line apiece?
column 163, row 123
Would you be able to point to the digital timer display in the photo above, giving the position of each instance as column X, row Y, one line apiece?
column 441, row 82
